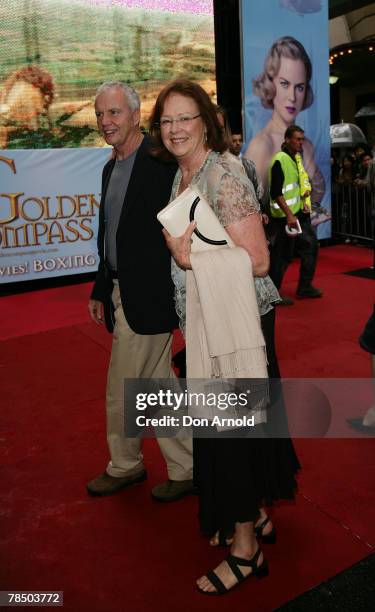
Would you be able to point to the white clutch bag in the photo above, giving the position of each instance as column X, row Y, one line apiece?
column 189, row 206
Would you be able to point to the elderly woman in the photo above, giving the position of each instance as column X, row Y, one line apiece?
column 284, row 87
column 234, row 476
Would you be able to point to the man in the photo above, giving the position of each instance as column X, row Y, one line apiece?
column 289, row 206
column 366, row 162
column 134, row 285
column 357, row 154
column 237, row 142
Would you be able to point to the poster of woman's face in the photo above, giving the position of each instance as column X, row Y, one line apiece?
column 285, row 80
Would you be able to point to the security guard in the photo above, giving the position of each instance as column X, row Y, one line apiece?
column 290, row 209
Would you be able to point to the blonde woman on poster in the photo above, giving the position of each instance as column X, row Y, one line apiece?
column 284, row 86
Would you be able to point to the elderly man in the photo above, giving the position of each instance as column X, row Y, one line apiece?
column 133, row 290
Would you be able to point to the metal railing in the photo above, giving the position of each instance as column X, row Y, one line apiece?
column 353, row 212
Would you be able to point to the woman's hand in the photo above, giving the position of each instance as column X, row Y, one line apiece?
column 180, row 247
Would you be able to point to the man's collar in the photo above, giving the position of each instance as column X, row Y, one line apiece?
column 285, row 149
column 133, row 146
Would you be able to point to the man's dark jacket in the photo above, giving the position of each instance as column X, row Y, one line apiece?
column 143, row 260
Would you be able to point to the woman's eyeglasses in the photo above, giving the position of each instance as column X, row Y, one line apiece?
column 183, row 121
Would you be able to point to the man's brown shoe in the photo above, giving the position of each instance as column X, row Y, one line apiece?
column 172, row 490
column 108, row 485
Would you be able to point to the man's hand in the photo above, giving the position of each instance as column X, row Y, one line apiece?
column 359, row 183
column 291, row 220
column 96, row 311
column 180, row 247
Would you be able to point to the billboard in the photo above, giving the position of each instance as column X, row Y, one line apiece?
column 48, row 214
column 55, row 53
column 286, row 81
column 53, row 56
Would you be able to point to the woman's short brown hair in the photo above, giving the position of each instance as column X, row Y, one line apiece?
column 263, row 85
column 207, row 111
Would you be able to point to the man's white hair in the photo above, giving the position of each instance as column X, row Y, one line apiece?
column 130, row 93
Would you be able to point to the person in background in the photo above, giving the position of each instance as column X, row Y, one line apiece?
column 362, row 179
column 346, row 172
column 248, row 164
column 358, row 151
column 289, row 207
column 236, row 144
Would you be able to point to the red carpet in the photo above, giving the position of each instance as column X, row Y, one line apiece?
column 128, row 552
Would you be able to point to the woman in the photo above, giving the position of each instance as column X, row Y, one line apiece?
column 185, row 127
column 346, row 174
column 284, row 87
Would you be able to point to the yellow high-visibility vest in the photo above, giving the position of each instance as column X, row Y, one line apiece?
column 304, row 183
column 291, row 186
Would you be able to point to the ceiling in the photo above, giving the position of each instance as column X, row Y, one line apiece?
column 356, row 70
column 341, row 7
column 353, row 31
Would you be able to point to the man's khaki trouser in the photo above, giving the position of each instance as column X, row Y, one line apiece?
column 139, row 356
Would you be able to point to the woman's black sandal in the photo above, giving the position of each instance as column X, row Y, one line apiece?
column 267, row 538
column 259, row 571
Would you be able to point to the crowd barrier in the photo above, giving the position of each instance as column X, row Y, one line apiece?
column 353, row 213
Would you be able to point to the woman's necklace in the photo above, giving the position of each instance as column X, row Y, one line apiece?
column 185, row 184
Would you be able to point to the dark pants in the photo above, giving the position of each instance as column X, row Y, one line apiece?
column 283, row 248
column 267, row 322
column 277, row 424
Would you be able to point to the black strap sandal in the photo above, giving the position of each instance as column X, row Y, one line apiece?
column 259, row 571
column 266, row 538
column 222, row 538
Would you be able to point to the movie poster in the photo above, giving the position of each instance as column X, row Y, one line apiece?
column 286, row 81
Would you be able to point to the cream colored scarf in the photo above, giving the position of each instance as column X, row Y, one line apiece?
column 223, row 333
